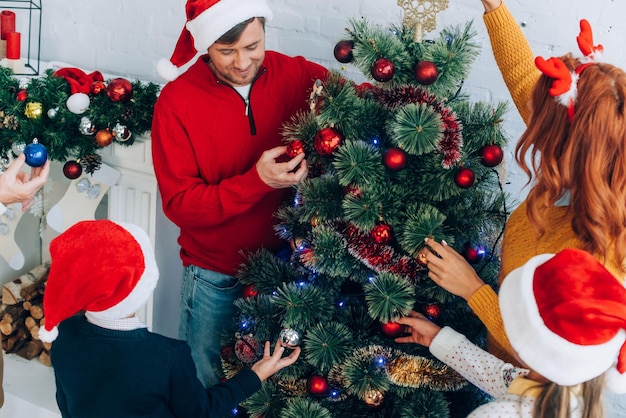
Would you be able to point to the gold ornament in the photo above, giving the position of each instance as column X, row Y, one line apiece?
column 33, row 110
column 373, row 397
column 421, row 15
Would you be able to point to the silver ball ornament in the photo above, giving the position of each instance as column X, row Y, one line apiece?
column 290, row 338
column 18, row 147
column 121, row 132
column 52, row 113
column 86, row 126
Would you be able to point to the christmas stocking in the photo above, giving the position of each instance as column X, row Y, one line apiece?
column 82, row 198
column 8, row 247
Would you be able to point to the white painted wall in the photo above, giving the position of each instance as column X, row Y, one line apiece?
column 127, row 37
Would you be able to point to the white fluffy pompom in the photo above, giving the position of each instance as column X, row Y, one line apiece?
column 167, row 70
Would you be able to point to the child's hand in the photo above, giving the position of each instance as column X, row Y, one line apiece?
column 271, row 363
column 421, row 329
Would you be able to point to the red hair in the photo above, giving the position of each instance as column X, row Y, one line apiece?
column 586, row 157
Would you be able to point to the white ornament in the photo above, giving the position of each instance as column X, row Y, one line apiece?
column 78, row 103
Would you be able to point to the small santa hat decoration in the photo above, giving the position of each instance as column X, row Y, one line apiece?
column 103, row 267
column 207, row 21
column 565, row 316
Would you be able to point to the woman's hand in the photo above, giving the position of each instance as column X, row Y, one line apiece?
column 491, row 5
column 450, row 270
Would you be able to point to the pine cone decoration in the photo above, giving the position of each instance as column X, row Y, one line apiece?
column 127, row 114
column 91, row 163
column 10, row 122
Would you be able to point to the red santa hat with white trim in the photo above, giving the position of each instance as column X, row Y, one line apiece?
column 105, row 268
column 207, row 21
column 565, row 316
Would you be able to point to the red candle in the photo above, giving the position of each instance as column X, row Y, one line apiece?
column 13, row 45
column 7, row 23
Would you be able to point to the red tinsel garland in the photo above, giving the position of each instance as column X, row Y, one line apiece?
column 381, row 258
column 450, row 145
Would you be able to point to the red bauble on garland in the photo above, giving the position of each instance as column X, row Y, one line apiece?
column 392, row 329
column 395, row 159
column 465, row 178
column 382, row 70
column 327, row 140
column 21, row 95
column 317, row 385
column 249, row 291
column 491, row 155
column 382, row 233
column 248, row 349
column 473, row 253
column 72, row 170
column 426, row 72
column 343, row 51
column 433, row 310
column 119, row 90
column 98, row 87
column 294, row 148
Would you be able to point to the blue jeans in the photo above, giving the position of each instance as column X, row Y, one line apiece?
column 206, row 309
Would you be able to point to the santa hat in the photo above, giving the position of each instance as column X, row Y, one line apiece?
column 102, row 267
column 207, row 21
column 565, row 316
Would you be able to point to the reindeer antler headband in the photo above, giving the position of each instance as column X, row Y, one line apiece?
column 564, row 87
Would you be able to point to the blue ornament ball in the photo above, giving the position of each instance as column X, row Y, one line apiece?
column 36, row 154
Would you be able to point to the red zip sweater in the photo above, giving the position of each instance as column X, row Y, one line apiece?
column 205, row 147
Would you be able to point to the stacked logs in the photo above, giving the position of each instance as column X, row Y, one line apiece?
column 21, row 315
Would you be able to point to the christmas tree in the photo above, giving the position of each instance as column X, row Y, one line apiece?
column 393, row 161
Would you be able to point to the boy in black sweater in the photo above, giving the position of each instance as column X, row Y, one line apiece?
column 106, row 362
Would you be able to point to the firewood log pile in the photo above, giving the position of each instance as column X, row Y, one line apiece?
column 21, row 315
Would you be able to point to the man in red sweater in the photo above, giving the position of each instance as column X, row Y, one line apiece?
column 219, row 158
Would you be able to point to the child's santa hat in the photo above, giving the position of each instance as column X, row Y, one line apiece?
column 207, row 21
column 102, row 267
column 565, row 316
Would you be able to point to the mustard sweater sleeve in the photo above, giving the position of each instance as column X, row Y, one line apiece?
column 514, row 57
column 484, row 303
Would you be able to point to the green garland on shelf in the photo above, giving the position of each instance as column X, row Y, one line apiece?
column 38, row 110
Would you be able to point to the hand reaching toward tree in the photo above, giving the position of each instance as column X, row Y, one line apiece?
column 281, row 175
column 20, row 186
column 450, row 270
column 271, row 363
column 422, row 331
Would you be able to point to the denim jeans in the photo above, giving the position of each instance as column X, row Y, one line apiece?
column 206, row 308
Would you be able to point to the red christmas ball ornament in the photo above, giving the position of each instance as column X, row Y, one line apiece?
column 426, row 72
column 343, row 51
column 353, row 189
column 98, row 87
column 382, row 70
column 72, row 170
column 491, row 155
column 327, row 140
column 248, row 349
column 21, row 95
column 395, row 159
column 392, row 329
column 294, row 148
column 249, row 291
column 382, row 233
column 119, row 90
column 227, row 353
column 473, row 253
column 465, row 178
column 433, row 310
column 317, row 385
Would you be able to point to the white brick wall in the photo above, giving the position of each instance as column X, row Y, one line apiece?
column 127, row 37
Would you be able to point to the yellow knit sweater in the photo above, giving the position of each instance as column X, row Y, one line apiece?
column 515, row 60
